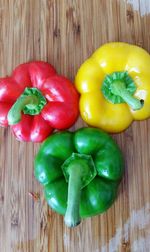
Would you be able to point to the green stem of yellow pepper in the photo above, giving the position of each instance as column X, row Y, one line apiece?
column 119, row 88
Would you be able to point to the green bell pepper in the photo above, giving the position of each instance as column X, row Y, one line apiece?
column 80, row 172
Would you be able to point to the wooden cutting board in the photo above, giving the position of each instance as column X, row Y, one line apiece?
column 65, row 33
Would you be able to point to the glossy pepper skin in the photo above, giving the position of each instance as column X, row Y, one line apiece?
column 114, row 84
column 34, row 100
column 80, row 172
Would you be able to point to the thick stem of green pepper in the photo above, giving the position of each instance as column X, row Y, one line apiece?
column 118, row 88
column 79, row 170
column 72, row 216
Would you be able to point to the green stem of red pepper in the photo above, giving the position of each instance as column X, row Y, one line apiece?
column 14, row 115
column 30, row 102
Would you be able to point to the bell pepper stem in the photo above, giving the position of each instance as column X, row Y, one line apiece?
column 119, row 88
column 30, row 102
column 15, row 113
column 72, row 216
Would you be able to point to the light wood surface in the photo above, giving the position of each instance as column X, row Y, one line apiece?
column 65, row 33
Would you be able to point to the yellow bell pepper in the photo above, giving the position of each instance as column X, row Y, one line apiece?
column 114, row 84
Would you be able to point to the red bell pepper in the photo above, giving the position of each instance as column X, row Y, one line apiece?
column 34, row 100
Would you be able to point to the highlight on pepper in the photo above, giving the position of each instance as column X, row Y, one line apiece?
column 114, row 84
column 80, row 172
column 34, row 100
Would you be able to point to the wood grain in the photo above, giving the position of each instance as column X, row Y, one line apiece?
column 65, row 33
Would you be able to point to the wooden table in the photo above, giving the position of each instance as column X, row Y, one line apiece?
column 65, row 33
